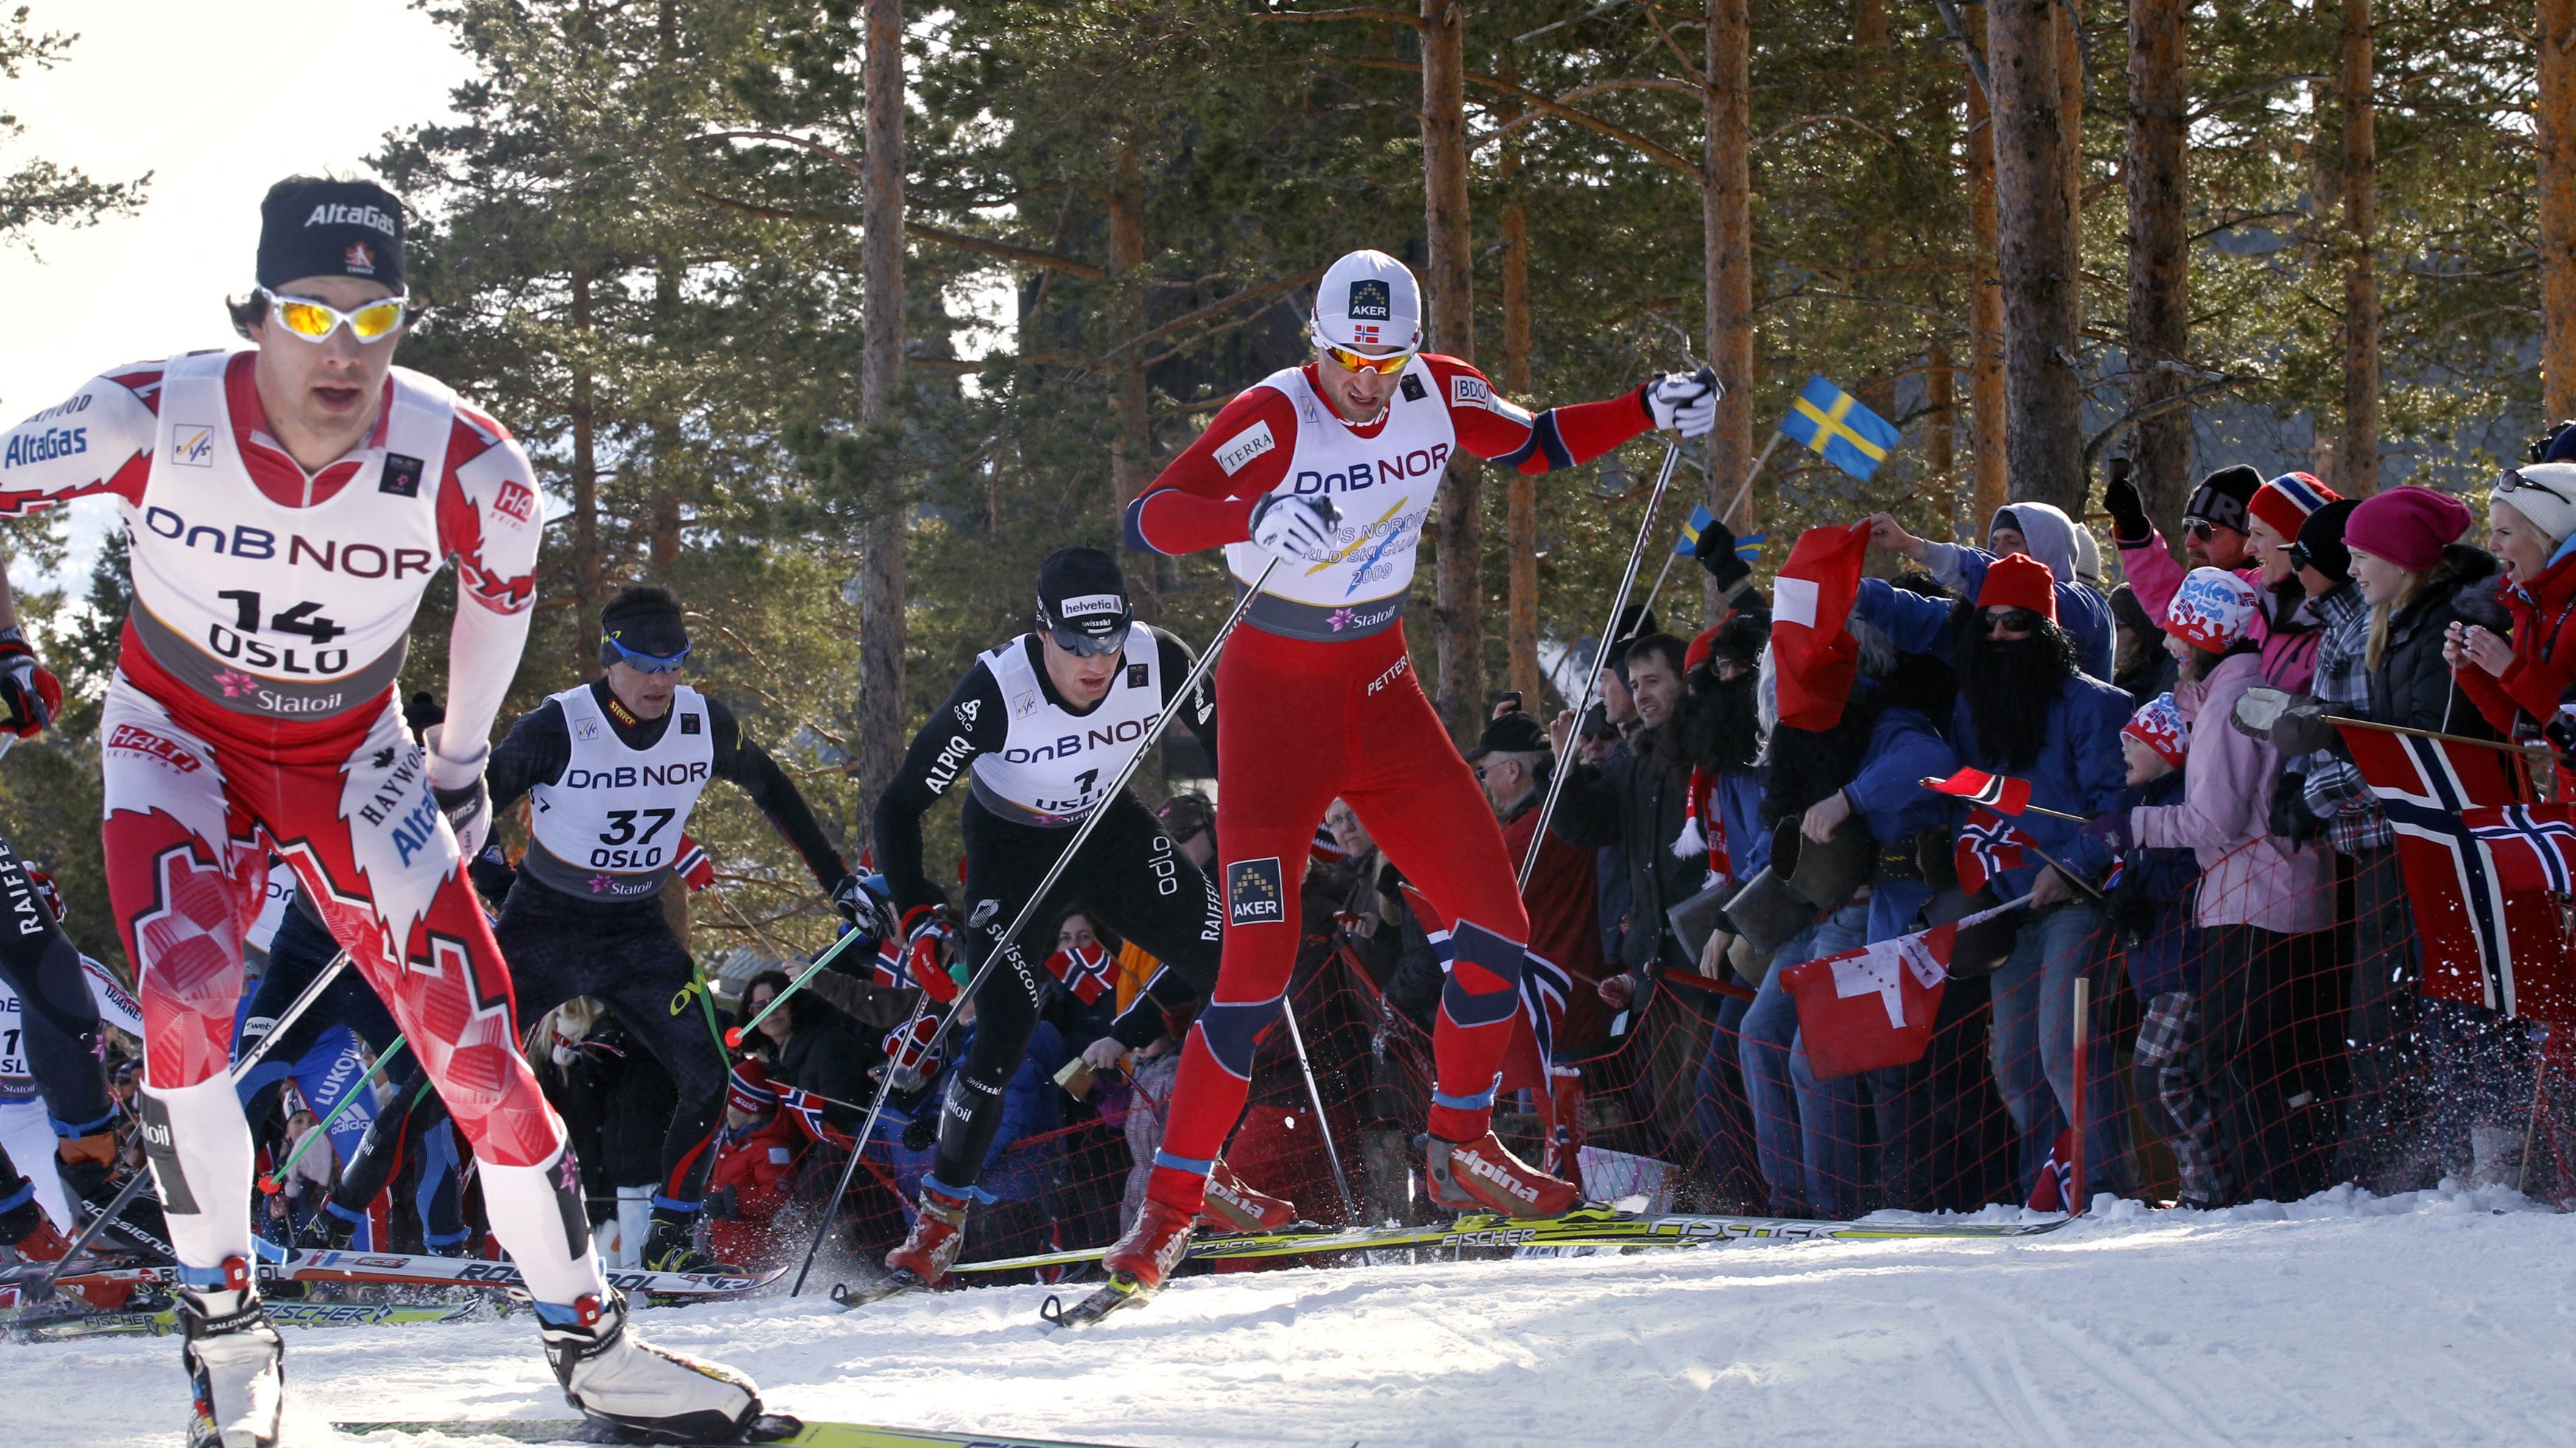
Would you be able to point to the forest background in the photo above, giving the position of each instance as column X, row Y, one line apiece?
column 839, row 350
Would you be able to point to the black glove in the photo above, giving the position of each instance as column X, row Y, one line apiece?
column 921, row 1132
column 2126, row 505
column 1716, row 553
column 721, row 1206
column 468, row 808
column 30, row 696
column 864, row 908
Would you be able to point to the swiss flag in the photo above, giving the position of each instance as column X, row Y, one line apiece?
column 1987, row 847
column 1871, row 1008
column 1815, row 655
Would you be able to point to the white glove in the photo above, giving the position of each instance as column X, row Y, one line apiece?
column 1293, row 529
column 1684, row 402
column 457, row 786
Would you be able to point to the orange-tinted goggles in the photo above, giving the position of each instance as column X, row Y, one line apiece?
column 1382, row 366
column 315, row 321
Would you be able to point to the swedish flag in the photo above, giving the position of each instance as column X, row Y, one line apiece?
column 1747, row 548
column 1832, row 422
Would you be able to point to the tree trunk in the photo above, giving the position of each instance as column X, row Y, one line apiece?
column 2044, row 437
column 584, row 419
column 2557, row 120
column 2159, row 297
column 1520, row 489
column 1985, row 304
column 1460, row 593
column 1941, row 420
column 2070, row 109
column 1726, row 222
column 2357, row 453
column 882, row 711
column 1131, row 462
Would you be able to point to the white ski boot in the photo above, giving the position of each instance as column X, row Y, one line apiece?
column 234, row 1363
column 616, row 1379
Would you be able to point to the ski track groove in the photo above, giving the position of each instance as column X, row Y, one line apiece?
column 2338, row 1320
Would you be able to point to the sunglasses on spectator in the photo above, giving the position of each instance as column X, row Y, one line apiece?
column 2514, row 482
column 1360, row 362
column 2012, row 623
column 2297, row 555
column 2201, row 530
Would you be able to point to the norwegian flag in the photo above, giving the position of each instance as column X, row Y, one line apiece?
column 2054, row 1191
column 888, row 971
column 2486, row 942
column 1087, row 970
column 907, row 1047
column 1988, row 845
column 1871, row 1008
column 1997, row 791
column 1544, row 987
column 2534, row 846
column 807, row 1108
column 695, row 868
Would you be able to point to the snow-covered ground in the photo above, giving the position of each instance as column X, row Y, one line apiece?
column 2445, row 1318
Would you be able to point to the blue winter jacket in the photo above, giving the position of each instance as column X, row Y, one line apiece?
column 1887, row 794
column 2082, row 610
column 2079, row 770
column 2155, row 962
column 1739, row 808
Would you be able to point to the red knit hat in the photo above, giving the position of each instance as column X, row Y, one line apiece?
column 2408, row 526
column 2020, row 581
column 2286, row 501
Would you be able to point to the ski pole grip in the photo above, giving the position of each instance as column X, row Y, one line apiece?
column 733, row 1035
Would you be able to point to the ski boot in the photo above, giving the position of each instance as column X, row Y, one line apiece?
column 86, row 1165
column 938, row 1234
column 339, row 1230
column 1480, row 1176
column 635, row 1388
column 30, row 1233
column 1150, row 1252
column 1234, row 1205
column 234, row 1363
column 672, row 1246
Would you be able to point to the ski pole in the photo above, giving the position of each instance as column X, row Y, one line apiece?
column 1005, row 942
column 1315, row 1098
column 858, row 1143
column 734, row 1037
column 276, row 1179
column 1666, row 571
column 276, row 1032
column 1592, row 676
column 2075, row 1106
column 41, row 1285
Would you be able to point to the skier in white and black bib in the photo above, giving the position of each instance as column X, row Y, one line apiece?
column 1034, row 734
column 612, row 769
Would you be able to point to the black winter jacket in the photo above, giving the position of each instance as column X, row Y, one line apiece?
column 2412, row 686
column 1631, row 803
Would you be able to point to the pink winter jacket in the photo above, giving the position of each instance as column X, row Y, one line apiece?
column 2289, row 660
column 2248, row 876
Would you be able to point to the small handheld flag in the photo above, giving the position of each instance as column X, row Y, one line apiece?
column 1833, row 424
column 2002, row 793
column 1986, row 848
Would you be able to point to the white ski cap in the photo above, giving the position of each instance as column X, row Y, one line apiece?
column 1368, row 302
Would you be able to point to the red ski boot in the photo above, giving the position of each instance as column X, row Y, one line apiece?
column 1234, row 1205
column 938, row 1234
column 1480, row 1176
column 1137, row 1266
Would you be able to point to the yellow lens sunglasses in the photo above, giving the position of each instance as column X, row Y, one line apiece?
column 315, row 321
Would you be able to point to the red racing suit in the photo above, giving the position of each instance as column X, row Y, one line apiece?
column 253, row 710
column 1322, row 702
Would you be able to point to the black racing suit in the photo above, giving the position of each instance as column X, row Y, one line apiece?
column 60, row 1020
column 623, row 952
column 1131, row 879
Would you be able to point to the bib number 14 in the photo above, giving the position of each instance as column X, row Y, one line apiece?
column 302, row 619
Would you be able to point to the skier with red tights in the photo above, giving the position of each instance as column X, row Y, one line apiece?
column 1331, row 469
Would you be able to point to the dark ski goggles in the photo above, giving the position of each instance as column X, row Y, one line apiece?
column 1087, row 646
column 644, row 662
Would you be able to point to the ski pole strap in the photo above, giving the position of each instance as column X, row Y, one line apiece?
column 270, row 1182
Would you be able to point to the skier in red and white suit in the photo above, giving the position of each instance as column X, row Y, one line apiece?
column 285, row 506
column 1332, row 468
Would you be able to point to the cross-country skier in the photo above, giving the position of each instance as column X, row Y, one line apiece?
column 1036, row 731
column 286, row 506
column 1331, row 468
column 55, row 1035
column 612, row 769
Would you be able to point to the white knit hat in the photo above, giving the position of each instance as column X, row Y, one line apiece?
column 2545, row 493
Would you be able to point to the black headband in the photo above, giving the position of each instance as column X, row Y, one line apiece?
column 330, row 229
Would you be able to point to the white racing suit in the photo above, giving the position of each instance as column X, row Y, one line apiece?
column 253, row 710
